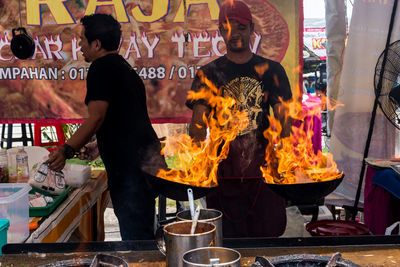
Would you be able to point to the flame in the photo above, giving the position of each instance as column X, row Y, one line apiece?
column 292, row 159
column 261, row 69
column 197, row 163
column 330, row 103
column 227, row 26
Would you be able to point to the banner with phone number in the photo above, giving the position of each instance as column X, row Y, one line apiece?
column 50, row 86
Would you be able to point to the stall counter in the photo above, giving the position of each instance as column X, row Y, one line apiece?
column 361, row 250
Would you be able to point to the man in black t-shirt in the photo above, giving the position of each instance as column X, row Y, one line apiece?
column 249, row 207
column 127, row 143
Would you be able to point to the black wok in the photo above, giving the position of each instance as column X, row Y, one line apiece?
column 176, row 190
column 306, row 193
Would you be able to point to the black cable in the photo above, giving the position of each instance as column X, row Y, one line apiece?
column 20, row 19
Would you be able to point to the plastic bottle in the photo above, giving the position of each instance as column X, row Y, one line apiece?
column 3, row 166
column 22, row 165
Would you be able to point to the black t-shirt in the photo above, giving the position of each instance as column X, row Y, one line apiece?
column 250, row 208
column 256, row 86
column 126, row 138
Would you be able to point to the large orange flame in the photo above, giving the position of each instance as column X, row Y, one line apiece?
column 197, row 163
column 289, row 160
column 292, row 159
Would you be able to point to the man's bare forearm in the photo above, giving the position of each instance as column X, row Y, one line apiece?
column 84, row 133
column 97, row 111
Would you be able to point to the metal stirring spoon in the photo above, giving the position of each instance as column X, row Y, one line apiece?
column 195, row 219
column 191, row 202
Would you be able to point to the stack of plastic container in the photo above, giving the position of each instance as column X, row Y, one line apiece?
column 14, row 206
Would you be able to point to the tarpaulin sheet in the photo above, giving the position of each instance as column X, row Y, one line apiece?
column 51, row 85
column 367, row 37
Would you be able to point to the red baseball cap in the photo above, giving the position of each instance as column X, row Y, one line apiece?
column 235, row 10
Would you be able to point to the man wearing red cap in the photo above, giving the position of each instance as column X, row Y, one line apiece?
column 250, row 208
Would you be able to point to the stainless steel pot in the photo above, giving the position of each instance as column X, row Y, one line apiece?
column 206, row 215
column 208, row 257
column 177, row 240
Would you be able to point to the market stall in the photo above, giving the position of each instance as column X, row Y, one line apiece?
column 79, row 216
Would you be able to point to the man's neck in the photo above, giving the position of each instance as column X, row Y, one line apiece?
column 103, row 53
column 239, row 58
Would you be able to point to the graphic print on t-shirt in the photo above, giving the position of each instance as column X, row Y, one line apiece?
column 248, row 94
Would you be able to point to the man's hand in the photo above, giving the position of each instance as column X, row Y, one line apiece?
column 89, row 152
column 57, row 159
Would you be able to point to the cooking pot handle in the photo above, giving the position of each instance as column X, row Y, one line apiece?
column 160, row 240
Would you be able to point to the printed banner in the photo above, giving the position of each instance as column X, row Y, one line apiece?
column 51, row 84
column 315, row 41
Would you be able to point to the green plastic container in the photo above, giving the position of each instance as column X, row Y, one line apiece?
column 46, row 211
column 4, row 224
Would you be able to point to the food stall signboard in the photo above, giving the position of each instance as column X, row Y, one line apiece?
column 165, row 41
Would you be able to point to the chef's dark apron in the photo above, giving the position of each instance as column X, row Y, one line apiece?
column 249, row 207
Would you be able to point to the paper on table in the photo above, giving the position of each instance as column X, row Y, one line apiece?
column 382, row 163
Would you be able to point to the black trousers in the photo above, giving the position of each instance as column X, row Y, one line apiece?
column 134, row 204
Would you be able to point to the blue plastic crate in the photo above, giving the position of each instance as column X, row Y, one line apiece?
column 4, row 223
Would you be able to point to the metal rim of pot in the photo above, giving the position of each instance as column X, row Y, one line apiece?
column 189, row 234
column 179, row 217
column 215, row 264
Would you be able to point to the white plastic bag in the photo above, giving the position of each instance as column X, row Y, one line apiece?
column 47, row 180
column 390, row 229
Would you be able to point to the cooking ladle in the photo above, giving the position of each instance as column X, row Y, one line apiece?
column 195, row 220
column 191, row 202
